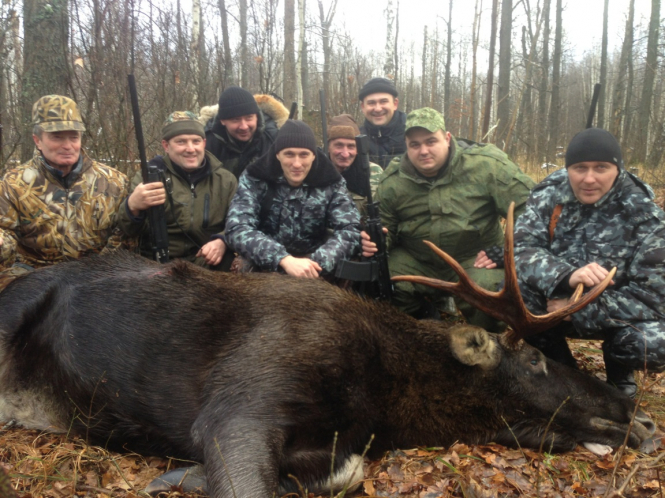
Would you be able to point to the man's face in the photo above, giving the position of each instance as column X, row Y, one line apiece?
column 591, row 180
column 379, row 108
column 241, row 128
column 427, row 151
column 60, row 148
column 187, row 151
column 342, row 153
column 296, row 163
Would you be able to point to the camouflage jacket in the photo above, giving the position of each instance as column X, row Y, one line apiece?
column 195, row 212
column 460, row 211
column 297, row 220
column 624, row 229
column 386, row 142
column 236, row 156
column 43, row 222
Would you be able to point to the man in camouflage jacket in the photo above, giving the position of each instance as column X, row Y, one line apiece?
column 452, row 192
column 242, row 127
column 285, row 205
column 60, row 205
column 606, row 218
column 196, row 203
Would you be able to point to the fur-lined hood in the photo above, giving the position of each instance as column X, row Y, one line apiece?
column 269, row 105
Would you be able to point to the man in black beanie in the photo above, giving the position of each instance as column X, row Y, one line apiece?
column 384, row 124
column 243, row 127
column 292, row 212
column 579, row 223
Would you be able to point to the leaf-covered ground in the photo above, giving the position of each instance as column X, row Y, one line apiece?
column 46, row 465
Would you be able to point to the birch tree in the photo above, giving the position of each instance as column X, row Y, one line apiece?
column 290, row 87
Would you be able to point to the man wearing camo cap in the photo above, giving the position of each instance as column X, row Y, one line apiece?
column 61, row 205
column 196, row 198
column 452, row 192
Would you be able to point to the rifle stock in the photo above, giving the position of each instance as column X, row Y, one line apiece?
column 159, row 239
column 374, row 269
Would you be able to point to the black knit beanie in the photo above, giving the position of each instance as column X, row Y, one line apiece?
column 235, row 102
column 594, row 144
column 378, row 85
column 295, row 134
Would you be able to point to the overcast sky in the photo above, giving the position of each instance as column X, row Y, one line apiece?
column 582, row 20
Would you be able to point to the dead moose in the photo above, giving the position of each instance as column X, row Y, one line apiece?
column 254, row 374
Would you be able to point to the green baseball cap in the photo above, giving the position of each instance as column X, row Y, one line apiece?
column 426, row 118
column 57, row 113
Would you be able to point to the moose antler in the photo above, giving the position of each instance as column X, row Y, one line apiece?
column 507, row 304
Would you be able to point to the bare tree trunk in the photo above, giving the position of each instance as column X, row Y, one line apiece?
column 449, row 49
column 301, row 44
column 434, row 85
column 244, row 51
column 619, row 106
column 603, row 71
column 505, row 66
column 305, row 75
column 227, row 78
column 290, row 88
column 644, row 115
column 195, row 51
column 46, row 57
column 326, row 29
column 423, row 80
column 544, row 83
column 490, row 71
column 389, row 65
column 395, row 56
column 475, row 38
column 556, row 82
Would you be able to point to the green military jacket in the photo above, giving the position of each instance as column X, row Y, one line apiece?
column 43, row 222
column 194, row 213
column 375, row 173
column 460, row 211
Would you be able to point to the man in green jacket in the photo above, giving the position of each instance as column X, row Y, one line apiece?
column 197, row 196
column 452, row 192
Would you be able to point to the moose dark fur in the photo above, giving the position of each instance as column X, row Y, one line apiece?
column 253, row 374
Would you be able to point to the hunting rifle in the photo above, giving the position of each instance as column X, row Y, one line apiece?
column 324, row 122
column 159, row 237
column 374, row 269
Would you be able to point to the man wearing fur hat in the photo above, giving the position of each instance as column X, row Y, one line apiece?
column 242, row 127
column 579, row 223
column 196, row 194
column 286, row 204
column 61, row 205
column 384, row 124
column 342, row 151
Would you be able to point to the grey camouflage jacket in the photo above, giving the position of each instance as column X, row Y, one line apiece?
column 297, row 220
column 625, row 229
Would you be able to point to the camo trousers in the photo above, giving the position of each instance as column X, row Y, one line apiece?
column 636, row 345
column 409, row 297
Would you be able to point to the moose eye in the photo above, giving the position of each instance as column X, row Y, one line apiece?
column 534, row 362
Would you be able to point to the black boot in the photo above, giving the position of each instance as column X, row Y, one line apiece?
column 552, row 343
column 619, row 375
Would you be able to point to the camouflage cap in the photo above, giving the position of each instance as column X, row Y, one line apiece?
column 426, row 118
column 182, row 123
column 57, row 113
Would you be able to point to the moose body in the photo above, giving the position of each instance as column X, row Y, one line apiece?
column 254, row 374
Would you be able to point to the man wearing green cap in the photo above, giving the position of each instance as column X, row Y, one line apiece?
column 452, row 192
column 60, row 205
column 197, row 196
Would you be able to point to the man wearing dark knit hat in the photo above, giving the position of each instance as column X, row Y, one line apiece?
column 342, row 151
column 196, row 198
column 580, row 222
column 384, row 124
column 241, row 127
column 292, row 212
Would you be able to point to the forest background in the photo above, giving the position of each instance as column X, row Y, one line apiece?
column 506, row 71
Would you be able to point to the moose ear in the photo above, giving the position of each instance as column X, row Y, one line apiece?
column 474, row 346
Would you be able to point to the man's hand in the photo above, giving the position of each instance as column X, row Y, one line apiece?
column 368, row 247
column 589, row 275
column 300, row 267
column 557, row 304
column 213, row 252
column 483, row 261
column 146, row 196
